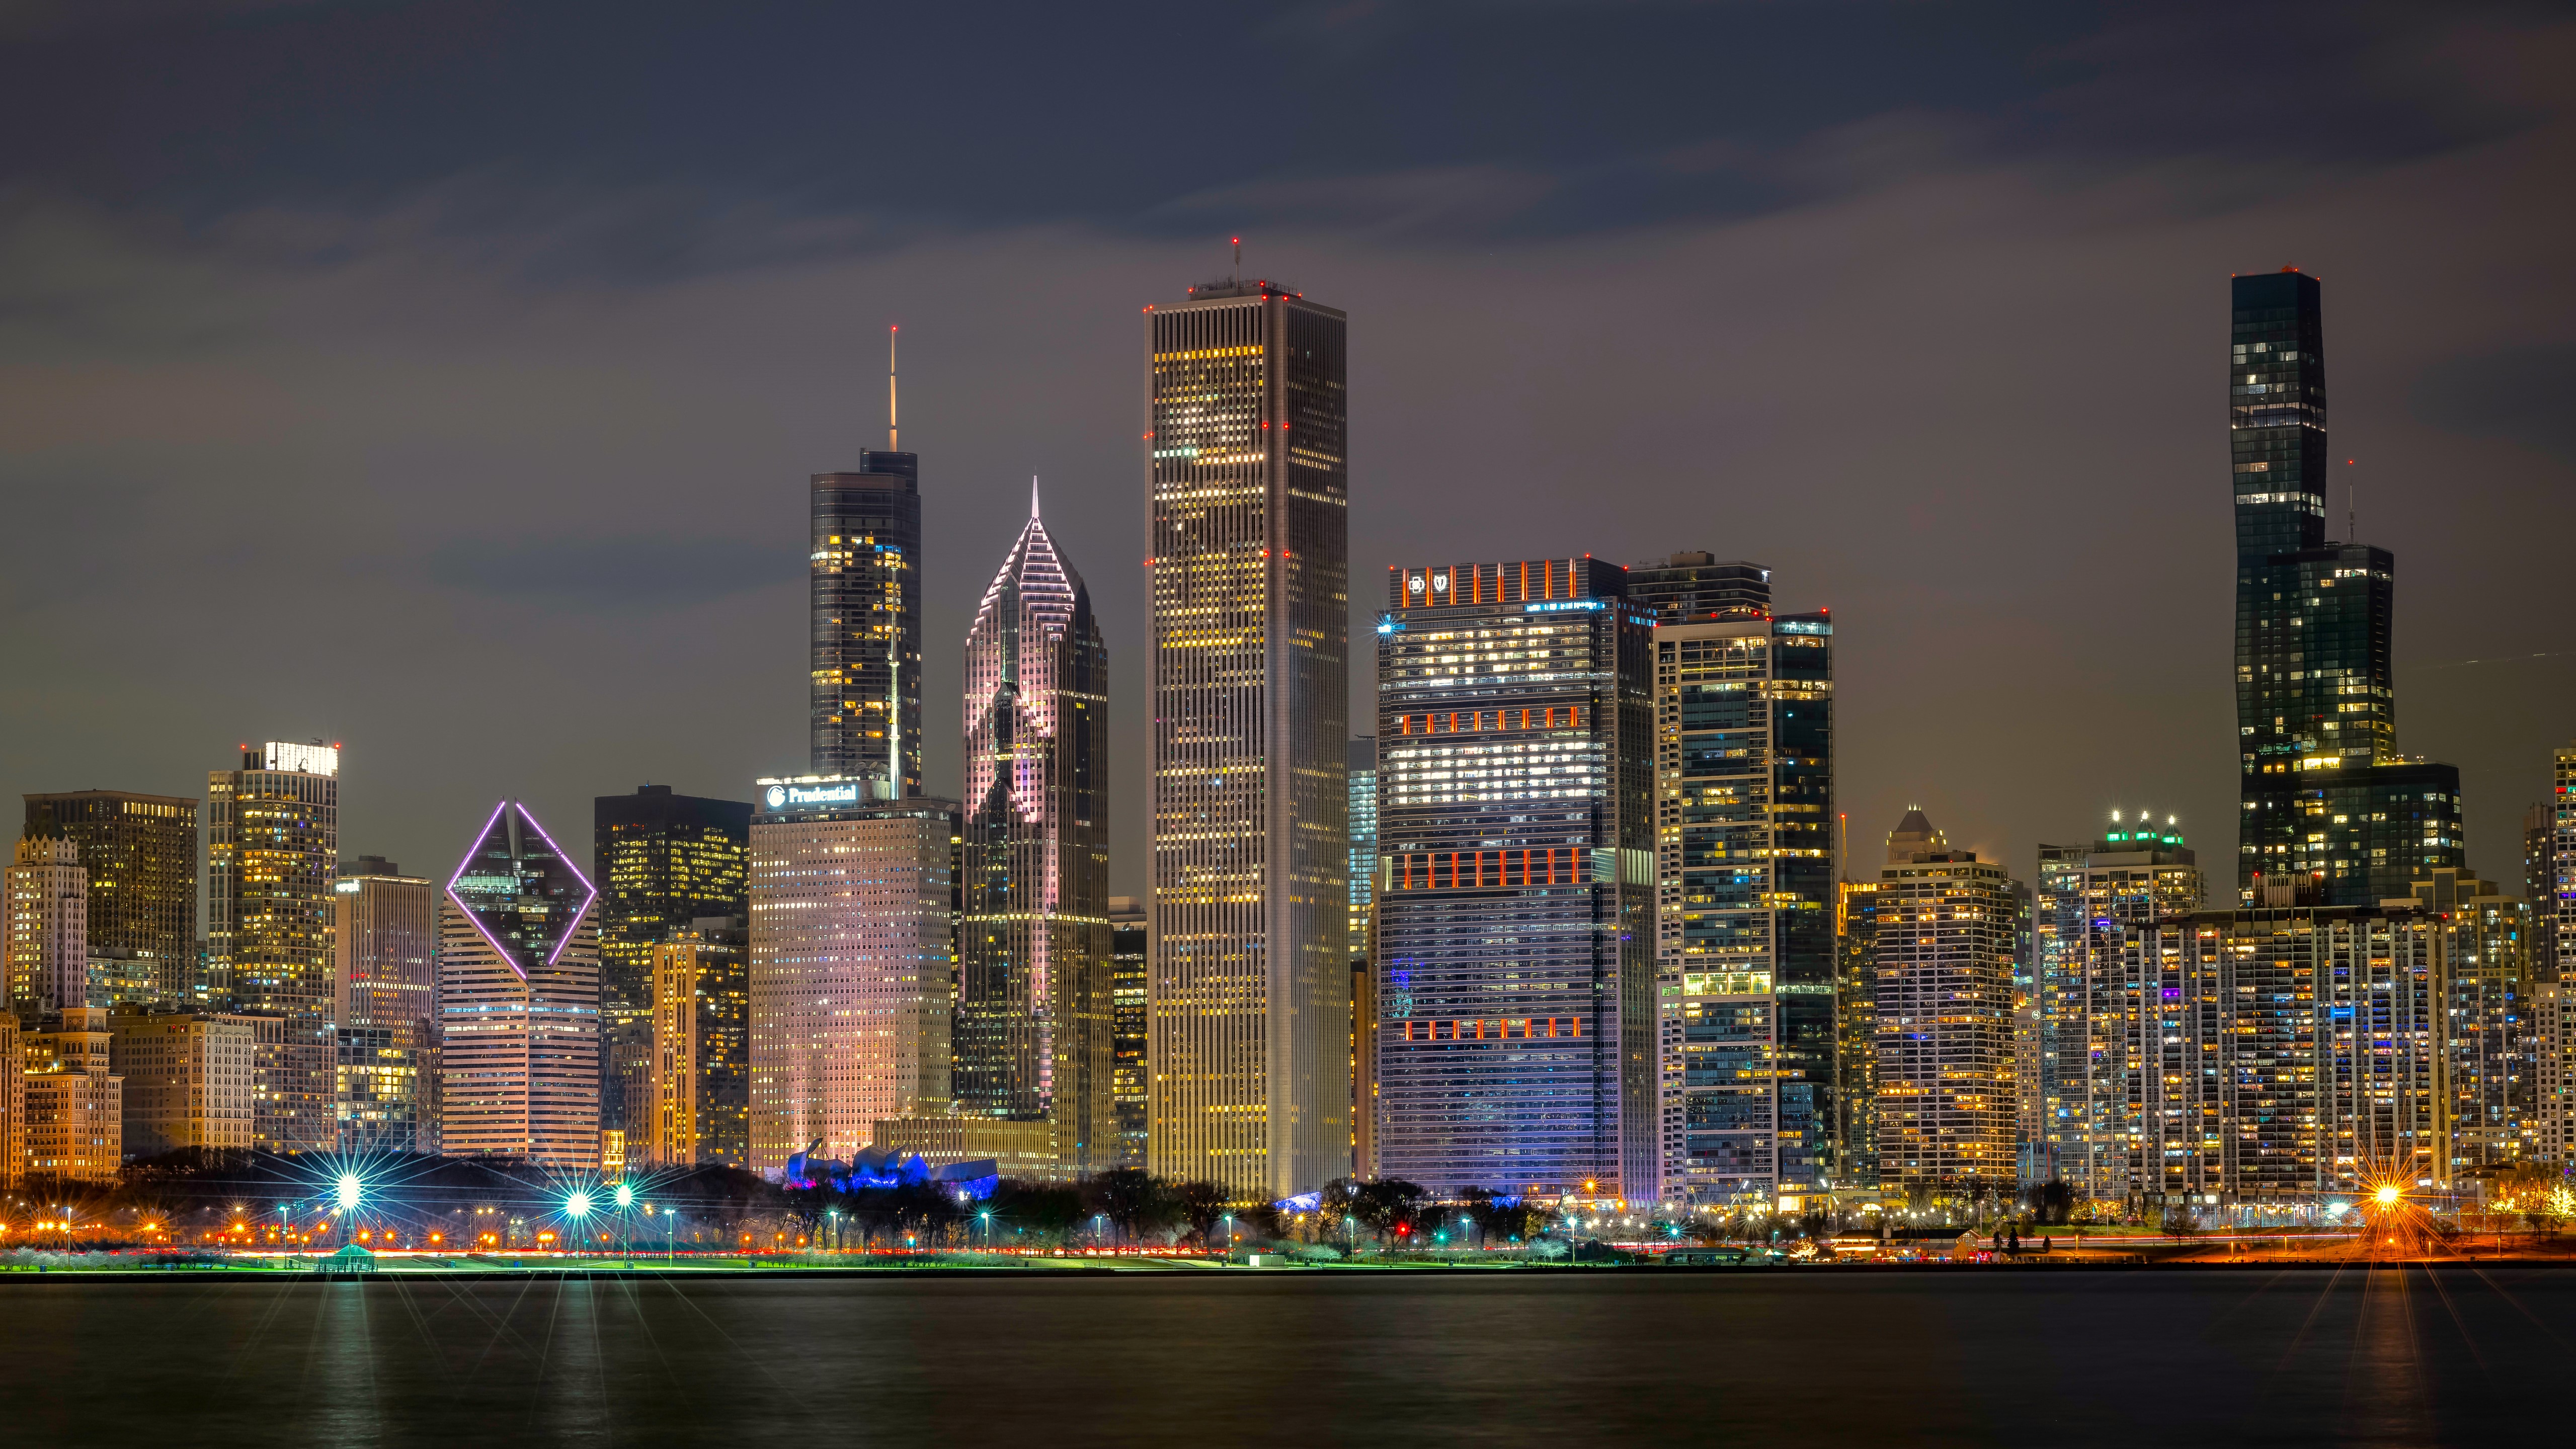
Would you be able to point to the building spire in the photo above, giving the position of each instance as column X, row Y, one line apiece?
column 893, row 415
column 1033, row 495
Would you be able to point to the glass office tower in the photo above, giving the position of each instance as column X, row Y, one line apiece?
column 1127, row 1026
column 1515, row 1038
column 866, row 622
column 2315, row 687
column 1746, row 906
column 663, row 861
column 1251, row 708
column 272, row 860
column 141, row 855
column 1032, row 1027
column 1694, row 586
column 518, row 1000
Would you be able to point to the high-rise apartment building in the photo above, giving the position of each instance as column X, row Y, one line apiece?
column 1128, row 1026
column 2488, row 1071
column 850, row 964
column 865, row 608
column 1855, row 1099
column 662, row 861
column 1248, row 481
column 1363, row 827
column 1515, row 1039
column 188, row 1080
column 1034, row 1000
column 1694, row 587
column 2085, row 980
column 2325, row 793
column 75, row 1102
column 272, row 857
column 2556, row 927
column 1942, row 947
column 47, row 898
column 518, row 1000
column 140, row 853
column 385, row 931
column 1363, row 938
column 699, row 1087
column 1745, row 934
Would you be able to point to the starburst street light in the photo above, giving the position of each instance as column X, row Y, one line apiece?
column 2389, row 1194
column 578, row 1205
column 347, row 1191
column 625, row 1196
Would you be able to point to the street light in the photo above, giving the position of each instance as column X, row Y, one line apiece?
column 576, row 1207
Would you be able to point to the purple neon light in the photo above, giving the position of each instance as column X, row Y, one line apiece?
column 475, row 920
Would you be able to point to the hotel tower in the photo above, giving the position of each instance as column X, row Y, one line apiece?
column 1249, row 983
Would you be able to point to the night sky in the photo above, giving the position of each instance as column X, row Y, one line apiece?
column 443, row 378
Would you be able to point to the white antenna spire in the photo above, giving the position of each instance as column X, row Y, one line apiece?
column 1033, row 495
column 893, row 415
column 1238, row 261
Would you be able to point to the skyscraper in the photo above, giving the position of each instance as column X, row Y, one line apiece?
column 850, row 962
column 188, row 1079
column 662, row 861
column 385, row 932
column 1248, row 482
column 272, row 857
column 1746, row 907
column 140, row 852
column 1695, row 586
column 1128, row 1030
column 2315, row 688
column 2137, row 872
column 47, row 896
column 1363, row 867
column 1363, row 937
column 1516, row 1000
column 866, row 620
column 1033, row 1012
column 518, row 999
column 75, row 1102
column 698, row 1097
column 1943, row 952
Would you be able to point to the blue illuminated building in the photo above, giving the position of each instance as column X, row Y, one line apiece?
column 1515, row 1002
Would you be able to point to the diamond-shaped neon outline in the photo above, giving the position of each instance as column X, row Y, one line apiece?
column 476, row 921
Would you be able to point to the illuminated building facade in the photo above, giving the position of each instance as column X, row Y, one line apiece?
column 1363, row 937
column 13, row 1105
column 2556, row 904
column 1363, row 824
column 699, row 1086
column 188, row 1079
column 865, row 604
column 1515, row 1039
column 850, row 965
column 272, row 857
column 1032, row 1024
column 662, row 860
column 1745, row 936
column 1248, row 482
column 48, row 924
column 518, row 1000
column 1943, row 939
column 2488, row 1073
column 385, row 931
column 1694, row 587
column 140, row 852
column 2086, row 980
column 1128, row 1026
column 1855, row 1101
column 75, row 1102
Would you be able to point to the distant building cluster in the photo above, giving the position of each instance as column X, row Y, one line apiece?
column 1575, row 915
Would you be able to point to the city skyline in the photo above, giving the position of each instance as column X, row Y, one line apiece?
column 652, row 486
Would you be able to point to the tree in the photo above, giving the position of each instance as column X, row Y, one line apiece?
column 1043, row 1210
column 1202, row 1205
column 1132, row 1199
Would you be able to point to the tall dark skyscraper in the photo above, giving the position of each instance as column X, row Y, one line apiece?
column 1250, row 522
column 866, row 605
column 1033, row 1014
column 1694, row 586
column 663, row 861
column 2325, row 793
column 1516, row 1045
column 141, row 855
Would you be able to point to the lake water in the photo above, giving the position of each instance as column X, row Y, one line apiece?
column 1311, row 1359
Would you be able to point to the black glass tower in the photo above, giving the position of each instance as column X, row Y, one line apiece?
column 2315, row 690
column 1692, row 586
column 663, row 861
column 866, row 603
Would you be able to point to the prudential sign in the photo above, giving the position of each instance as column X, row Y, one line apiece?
column 780, row 797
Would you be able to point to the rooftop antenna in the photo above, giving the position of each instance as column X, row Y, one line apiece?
column 2351, row 503
column 1238, row 261
column 893, row 415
